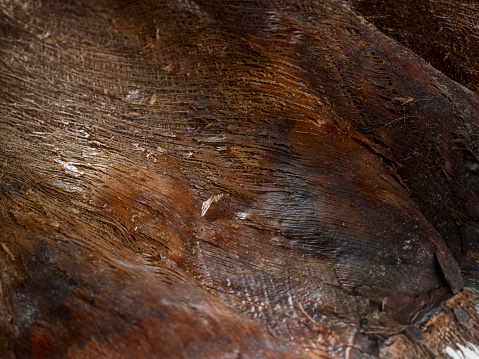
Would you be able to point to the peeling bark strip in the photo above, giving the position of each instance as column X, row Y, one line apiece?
column 350, row 168
column 206, row 204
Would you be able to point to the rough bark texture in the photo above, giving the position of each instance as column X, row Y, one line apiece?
column 443, row 32
column 230, row 179
column 446, row 34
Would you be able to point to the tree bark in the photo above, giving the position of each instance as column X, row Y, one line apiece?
column 207, row 179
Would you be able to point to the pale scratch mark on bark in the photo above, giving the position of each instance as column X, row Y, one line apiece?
column 206, row 204
column 9, row 253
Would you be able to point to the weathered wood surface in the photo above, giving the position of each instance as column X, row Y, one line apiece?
column 230, row 179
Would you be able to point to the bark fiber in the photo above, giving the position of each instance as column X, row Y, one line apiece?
column 233, row 179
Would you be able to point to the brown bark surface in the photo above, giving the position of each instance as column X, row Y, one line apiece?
column 443, row 32
column 207, row 179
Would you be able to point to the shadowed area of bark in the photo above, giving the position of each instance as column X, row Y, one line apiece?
column 444, row 33
column 215, row 179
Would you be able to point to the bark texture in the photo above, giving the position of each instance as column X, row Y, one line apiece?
column 244, row 179
column 443, row 32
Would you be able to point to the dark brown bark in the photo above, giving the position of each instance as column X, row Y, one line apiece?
column 214, row 179
column 446, row 35
column 443, row 32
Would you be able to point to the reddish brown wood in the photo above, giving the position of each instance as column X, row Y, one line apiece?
column 215, row 179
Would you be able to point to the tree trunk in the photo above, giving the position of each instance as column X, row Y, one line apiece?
column 215, row 179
